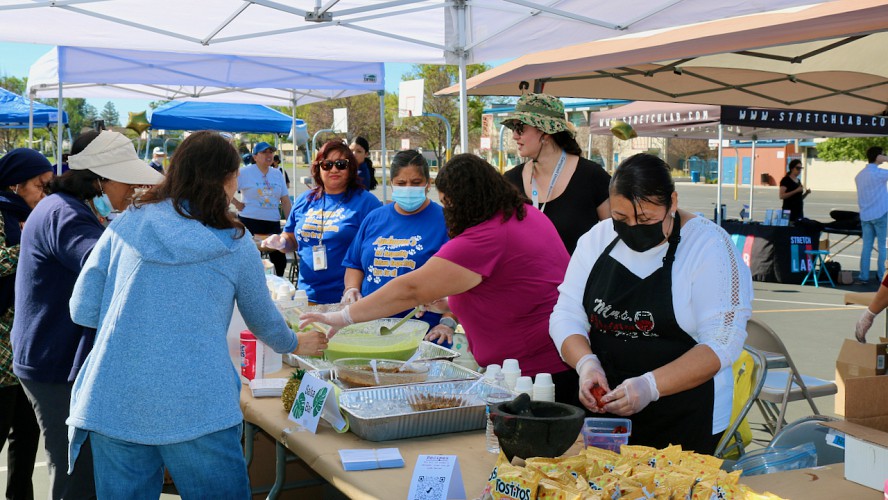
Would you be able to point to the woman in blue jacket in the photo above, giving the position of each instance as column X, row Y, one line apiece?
column 159, row 388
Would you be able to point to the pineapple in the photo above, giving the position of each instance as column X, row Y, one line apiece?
column 290, row 390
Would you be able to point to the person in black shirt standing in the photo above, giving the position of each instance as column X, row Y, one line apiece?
column 569, row 189
column 792, row 192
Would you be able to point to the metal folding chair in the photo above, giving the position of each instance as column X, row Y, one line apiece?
column 782, row 387
column 732, row 440
column 810, row 430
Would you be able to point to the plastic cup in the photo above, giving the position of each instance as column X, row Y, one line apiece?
column 525, row 385
column 491, row 371
column 511, row 365
column 543, row 380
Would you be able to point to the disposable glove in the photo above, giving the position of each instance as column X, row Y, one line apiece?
column 591, row 374
column 351, row 296
column 863, row 325
column 336, row 320
column 632, row 396
column 275, row 242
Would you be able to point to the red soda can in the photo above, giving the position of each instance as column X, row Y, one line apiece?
column 248, row 354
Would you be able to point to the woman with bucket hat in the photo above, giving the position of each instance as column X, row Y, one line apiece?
column 24, row 174
column 48, row 348
column 569, row 189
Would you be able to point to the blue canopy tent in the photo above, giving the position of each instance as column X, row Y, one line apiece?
column 227, row 117
column 14, row 112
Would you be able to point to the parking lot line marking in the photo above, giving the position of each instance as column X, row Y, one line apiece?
column 796, row 302
column 801, row 310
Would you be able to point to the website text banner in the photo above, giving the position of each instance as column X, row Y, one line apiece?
column 864, row 125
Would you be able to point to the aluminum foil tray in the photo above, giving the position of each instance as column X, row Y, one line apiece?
column 382, row 413
column 427, row 350
column 439, row 371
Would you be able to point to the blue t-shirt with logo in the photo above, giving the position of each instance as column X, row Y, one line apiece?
column 340, row 216
column 390, row 244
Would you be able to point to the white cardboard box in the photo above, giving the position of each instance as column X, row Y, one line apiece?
column 866, row 454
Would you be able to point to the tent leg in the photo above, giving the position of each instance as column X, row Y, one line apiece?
column 752, row 180
column 293, row 131
column 31, row 123
column 718, row 196
column 382, row 155
column 463, row 93
column 58, row 156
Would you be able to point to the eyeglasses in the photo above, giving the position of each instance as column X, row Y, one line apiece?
column 327, row 165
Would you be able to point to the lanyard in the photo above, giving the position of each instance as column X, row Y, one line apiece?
column 534, row 189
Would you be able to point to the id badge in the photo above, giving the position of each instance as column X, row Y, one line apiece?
column 319, row 257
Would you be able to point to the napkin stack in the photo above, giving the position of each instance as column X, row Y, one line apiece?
column 267, row 387
column 383, row 458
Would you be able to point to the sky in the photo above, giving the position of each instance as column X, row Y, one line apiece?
column 16, row 60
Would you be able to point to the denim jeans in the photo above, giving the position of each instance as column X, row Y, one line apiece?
column 876, row 228
column 211, row 466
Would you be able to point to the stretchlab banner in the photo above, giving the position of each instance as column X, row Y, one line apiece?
column 805, row 120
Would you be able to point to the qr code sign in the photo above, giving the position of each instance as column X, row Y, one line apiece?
column 430, row 488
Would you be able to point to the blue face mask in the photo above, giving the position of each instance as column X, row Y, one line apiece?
column 102, row 205
column 409, row 198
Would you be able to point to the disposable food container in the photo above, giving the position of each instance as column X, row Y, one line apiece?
column 358, row 372
column 607, row 433
column 439, row 371
column 362, row 340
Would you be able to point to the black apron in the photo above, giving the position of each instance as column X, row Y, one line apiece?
column 634, row 331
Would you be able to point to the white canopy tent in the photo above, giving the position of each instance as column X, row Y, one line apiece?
column 419, row 31
column 123, row 73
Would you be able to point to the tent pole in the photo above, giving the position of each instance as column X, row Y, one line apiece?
column 59, row 134
column 752, row 180
column 382, row 155
column 293, row 182
column 718, row 192
column 461, row 14
column 31, row 123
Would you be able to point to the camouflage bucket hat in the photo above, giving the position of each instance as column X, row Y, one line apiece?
column 542, row 111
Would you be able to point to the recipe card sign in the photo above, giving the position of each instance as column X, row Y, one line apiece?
column 313, row 396
column 437, row 477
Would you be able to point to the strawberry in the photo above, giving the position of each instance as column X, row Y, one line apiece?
column 598, row 392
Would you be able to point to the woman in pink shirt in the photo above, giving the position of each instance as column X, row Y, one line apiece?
column 499, row 274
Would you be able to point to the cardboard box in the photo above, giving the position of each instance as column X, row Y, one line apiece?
column 866, row 454
column 858, row 360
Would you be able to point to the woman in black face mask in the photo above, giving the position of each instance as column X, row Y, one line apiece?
column 653, row 309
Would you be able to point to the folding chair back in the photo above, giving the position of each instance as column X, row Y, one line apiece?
column 782, row 387
column 749, row 378
column 809, row 430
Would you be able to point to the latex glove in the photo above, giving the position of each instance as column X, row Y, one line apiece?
column 311, row 343
column 863, row 325
column 336, row 320
column 591, row 373
column 351, row 296
column 439, row 306
column 440, row 334
column 275, row 242
column 632, row 396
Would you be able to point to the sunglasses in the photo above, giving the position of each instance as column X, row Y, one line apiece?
column 518, row 128
column 327, row 165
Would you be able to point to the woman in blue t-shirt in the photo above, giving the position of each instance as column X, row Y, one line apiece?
column 398, row 238
column 324, row 221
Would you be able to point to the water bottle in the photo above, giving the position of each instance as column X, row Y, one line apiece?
column 492, row 399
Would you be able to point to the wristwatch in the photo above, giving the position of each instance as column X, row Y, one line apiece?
column 448, row 322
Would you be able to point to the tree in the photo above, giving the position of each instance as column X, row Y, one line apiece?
column 848, row 148
column 11, row 138
column 686, row 148
column 110, row 115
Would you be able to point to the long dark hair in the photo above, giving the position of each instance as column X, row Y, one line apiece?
column 567, row 142
column 644, row 177
column 474, row 192
column 409, row 158
column 354, row 183
column 196, row 177
column 80, row 184
column 360, row 141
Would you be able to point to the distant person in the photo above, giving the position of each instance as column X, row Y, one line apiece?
column 569, row 189
column 276, row 163
column 792, row 192
column 157, row 160
column 366, row 173
column 872, row 198
column 24, row 174
column 265, row 199
column 324, row 221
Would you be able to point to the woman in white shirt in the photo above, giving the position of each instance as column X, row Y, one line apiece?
column 654, row 305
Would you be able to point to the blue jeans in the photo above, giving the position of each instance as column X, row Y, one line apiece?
column 210, row 466
column 876, row 228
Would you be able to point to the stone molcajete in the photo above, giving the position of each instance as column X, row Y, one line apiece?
column 528, row 428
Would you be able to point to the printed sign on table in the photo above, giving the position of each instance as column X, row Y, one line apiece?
column 313, row 401
column 437, row 477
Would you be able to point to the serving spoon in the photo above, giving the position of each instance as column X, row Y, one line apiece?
column 384, row 330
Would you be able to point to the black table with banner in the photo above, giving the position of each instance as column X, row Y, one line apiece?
column 774, row 254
